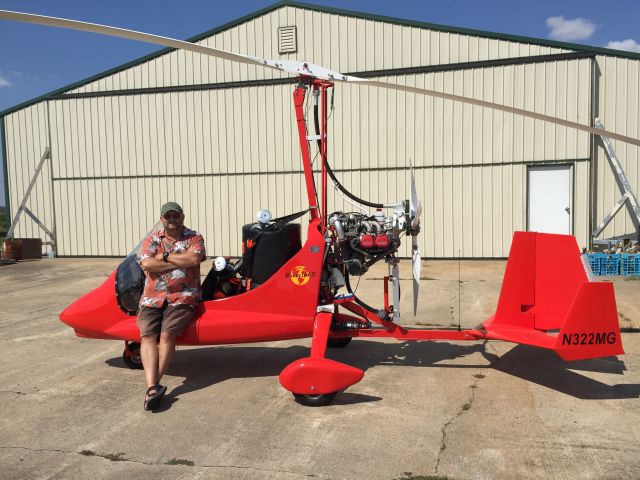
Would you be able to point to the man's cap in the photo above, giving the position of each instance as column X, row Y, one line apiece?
column 169, row 206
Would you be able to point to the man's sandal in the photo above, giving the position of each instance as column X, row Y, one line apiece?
column 152, row 400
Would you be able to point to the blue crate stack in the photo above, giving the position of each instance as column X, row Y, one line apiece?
column 629, row 264
column 610, row 264
column 594, row 262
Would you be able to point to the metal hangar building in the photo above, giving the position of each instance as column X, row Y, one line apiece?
column 220, row 138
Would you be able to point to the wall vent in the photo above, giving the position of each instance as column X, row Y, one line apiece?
column 287, row 40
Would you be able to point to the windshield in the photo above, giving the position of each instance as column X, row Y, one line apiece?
column 130, row 280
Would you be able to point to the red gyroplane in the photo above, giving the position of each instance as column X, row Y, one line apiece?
column 282, row 289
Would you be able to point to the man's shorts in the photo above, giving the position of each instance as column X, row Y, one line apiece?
column 171, row 319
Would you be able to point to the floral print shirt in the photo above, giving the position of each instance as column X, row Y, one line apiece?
column 180, row 286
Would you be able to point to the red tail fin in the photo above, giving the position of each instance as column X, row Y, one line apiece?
column 591, row 329
column 546, row 289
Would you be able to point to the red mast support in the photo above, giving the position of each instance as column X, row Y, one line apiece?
column 323, row 147
column 298, row 101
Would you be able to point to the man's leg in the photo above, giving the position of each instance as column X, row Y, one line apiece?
column 149, row 322
column 149, row 356
column 176, row 320
column 167, row 348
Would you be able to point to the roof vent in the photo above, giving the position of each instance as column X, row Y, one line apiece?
column 287, row 40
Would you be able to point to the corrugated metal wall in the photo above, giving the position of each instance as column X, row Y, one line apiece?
column 226, row 153
column 618, row 106
column 27, row 136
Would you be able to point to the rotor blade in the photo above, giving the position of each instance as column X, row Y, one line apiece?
column 416, row 263
column 497, row 106
column 131, row 35
column 293, row 67
column 287, row 66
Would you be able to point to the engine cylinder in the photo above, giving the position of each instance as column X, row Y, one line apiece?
column 367, row 241
column 382, row 241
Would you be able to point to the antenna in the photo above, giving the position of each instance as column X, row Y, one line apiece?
column 459, row 292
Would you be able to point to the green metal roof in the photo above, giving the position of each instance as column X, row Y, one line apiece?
column 337, row 11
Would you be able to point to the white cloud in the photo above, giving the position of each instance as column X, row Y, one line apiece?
column 4, row 82
column 628, row 45
column 570, row 30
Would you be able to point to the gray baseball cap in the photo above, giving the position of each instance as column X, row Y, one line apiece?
column 169, row 206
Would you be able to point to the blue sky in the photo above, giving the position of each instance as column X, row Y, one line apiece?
column 36, row 60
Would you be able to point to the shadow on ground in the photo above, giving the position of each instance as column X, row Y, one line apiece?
column 545, row 368
column 203, row 367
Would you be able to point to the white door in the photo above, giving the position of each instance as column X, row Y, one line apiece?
column 549, row 203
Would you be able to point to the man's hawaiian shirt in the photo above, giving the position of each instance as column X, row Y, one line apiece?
column 180, row 286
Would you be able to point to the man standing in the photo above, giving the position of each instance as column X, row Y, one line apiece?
column 171, row 258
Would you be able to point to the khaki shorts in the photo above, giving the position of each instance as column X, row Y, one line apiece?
column 171, row 319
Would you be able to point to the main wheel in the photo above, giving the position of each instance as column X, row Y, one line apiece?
column 132, row 359
column 338, row 342
column 319, row 400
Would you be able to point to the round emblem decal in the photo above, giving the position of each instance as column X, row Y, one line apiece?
column 299, row 275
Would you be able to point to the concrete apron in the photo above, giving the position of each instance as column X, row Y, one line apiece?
column 71, row 409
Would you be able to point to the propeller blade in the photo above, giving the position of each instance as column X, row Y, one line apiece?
column 416, row 263
column 293, row 67
column 415, row 210
column 415, row 207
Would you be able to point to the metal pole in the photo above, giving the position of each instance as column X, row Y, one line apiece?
column 298, row 101
column 44, row 157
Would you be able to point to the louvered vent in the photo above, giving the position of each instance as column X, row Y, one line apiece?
column 287, row 40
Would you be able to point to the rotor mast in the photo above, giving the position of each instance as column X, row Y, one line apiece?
column 320, row 88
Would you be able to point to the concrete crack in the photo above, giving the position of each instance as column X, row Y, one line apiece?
column 30, row 319
column 119, row 457
column 464, row 408
column 20, row 394
column 477, row 377
column 15, row 323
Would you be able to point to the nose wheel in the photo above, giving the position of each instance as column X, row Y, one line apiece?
column 315, row 400
column 131, row 355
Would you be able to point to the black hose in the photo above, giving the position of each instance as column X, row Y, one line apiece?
column 379, row 312
column 330, row 172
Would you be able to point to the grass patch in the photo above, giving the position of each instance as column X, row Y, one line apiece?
column 411, row 476
column 623, row 317
column 115, row 457
column 466, row 406
column 479, row 375
column 180, row 461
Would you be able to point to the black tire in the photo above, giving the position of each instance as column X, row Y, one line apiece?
column 338, row 342
column 319, row 400
column 133, row 360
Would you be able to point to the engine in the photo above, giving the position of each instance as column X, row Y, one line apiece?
column 363, row 239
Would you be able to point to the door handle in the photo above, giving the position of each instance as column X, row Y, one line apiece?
column 567, row 209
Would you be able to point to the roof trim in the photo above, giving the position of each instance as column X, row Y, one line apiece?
column 428, row 69
column 337, row 11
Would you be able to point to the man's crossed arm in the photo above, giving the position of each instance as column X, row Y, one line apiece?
column 174, row 260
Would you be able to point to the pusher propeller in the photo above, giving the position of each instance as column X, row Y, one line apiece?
column 292, row 67
column 415, row 210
